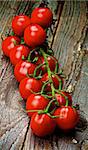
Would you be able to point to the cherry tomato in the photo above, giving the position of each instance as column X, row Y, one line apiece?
column 34, row 35
column 56, row 81
column 17, row 53
column 61, row 98
column 23, row 68
column 36, row 102
column 9, row 43
column 19, row 23
column 27, row 85
column 42, row 125
column 68, row 117
column 42, row 16
column 51, row 60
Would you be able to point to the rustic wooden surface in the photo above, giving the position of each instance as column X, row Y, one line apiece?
column 70, row 44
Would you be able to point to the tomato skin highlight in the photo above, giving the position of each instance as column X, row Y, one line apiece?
column 36, row 102
column 42, row 16
column 34, row 35
column 61, row 99
column 42, row 125
column 68, row 119
column 19, row 23
column 9, row 43
column 27, row 85
column 18, row 52
column 23, row 68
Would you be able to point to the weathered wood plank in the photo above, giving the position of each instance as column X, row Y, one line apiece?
column 69, row 36
column 71, row 50
column 13, row 121
column 68, row 44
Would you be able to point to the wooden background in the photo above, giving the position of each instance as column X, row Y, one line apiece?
column 70, row 45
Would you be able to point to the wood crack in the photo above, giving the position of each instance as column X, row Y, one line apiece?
column 79, row 55
column 59, row 14
column 25, row 135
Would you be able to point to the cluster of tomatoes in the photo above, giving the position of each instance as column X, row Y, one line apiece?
column 37, row 71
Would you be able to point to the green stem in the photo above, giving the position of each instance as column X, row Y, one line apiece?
column 36, row 69
column 47, row 96
column 48, row 71
column 53, row 91
column 29, row 56
column 56, row 68
column 60, row 81
column 35, row 92
column 58, row 116
column 43, row 87
column 48, row 106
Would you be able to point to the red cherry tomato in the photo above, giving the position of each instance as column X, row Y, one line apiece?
column 17, row 53
column 19, row 23
column 68, row 117
column 23, row 68
column 9, row 43
column 27, row 85
column 56, row 81
column 61, row 98
column 42, row 16
column 36, row 102
column 34, row 35
column 42, row 125
column 51, row 60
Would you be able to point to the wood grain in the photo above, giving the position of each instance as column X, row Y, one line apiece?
column 70, row 44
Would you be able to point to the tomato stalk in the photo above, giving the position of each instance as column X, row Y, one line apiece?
column 48, row 106
column 49, row 72
column 47, row 96
column 56, row 68
column 35, row 92
column 44, row 85
column 46, row 111
column 29, row 56
column 60, row 81
column 53, row 117
column 43, row 111
column 36, row 69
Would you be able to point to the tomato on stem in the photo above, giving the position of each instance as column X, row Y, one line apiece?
column 68, row 117
column 28, row 86
column 62, row 97
column 23, row 68
column 42, row 16
column 34, row 35
column 56, row 81
column 9, row 43
column 17, row 53
column 19, row 23
column 36, row 102
column 51, row 61
column 42, row 124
